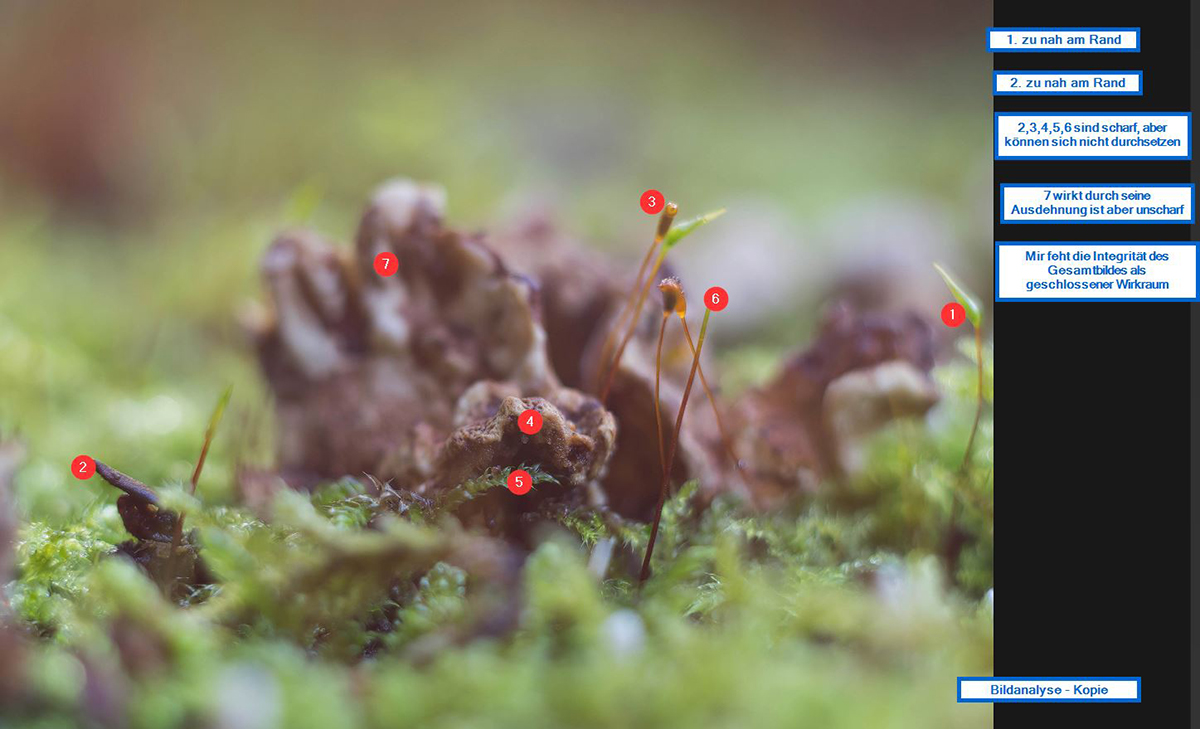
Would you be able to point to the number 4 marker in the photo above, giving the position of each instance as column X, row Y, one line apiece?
column 953, row 314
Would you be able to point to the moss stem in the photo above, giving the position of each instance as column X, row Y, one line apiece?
column 630, row 329
column 666, row 476
column 978, row 398
column 662, row 330
column 712, row 400
column 664, row 225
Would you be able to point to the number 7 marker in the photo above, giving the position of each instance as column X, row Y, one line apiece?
column 386, row 264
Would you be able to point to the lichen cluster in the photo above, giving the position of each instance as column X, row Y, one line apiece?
column 342, row 608
column 375, row 571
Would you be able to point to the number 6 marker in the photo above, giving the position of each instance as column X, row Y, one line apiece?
column 716, row 298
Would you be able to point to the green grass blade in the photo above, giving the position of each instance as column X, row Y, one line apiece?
column 969, row 302
column 218, row 411
column 679, row 230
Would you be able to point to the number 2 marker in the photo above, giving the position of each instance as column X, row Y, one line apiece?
column 83, row 467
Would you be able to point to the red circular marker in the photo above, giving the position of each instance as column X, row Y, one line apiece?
column 386, row 264
column 530, row 422
column 652, row 201
column 953, row 314
column 519, row 482
column 83, row 467
column 716, row 298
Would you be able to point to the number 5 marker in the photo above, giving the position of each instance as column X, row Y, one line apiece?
column 519, row 482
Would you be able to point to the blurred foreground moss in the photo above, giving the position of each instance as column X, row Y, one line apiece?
column 836, row 612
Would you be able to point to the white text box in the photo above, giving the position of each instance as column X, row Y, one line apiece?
column 1122, row 203
column 1034, row 135
column 1095, row 271
column 1067, row 83
column 1055, row 690
column 1042, row 40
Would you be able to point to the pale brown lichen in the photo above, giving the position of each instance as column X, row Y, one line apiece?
column 806, row 424
column 414, row 377
column 573, row 444
column 370, row 372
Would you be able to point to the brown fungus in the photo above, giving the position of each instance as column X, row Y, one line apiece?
column 368, row 370
column 863, row 370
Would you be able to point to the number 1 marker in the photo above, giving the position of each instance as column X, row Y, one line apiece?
column 953, row 314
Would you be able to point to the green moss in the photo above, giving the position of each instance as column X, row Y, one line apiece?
column 53, row 563
column 343, row 611
column 493, row 478
column 346, row 504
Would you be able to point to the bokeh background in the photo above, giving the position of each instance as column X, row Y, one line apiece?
column 149, row 151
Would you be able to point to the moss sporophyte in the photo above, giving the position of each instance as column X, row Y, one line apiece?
column 669, row 237
column 673, row 297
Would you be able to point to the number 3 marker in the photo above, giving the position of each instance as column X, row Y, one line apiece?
column 386, row 264
column 652, row 201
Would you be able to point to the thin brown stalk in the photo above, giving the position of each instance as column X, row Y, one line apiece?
column 610, row 339
column 637, row 312
column 674, row 302
column 176, row 542
column 213, row 421
column 953, row 545
column 712, row 400
column 978, row 398
column 664, row 225
column 662, row 492
column 662, row 458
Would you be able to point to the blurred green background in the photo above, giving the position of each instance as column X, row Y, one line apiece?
column 149, row 151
